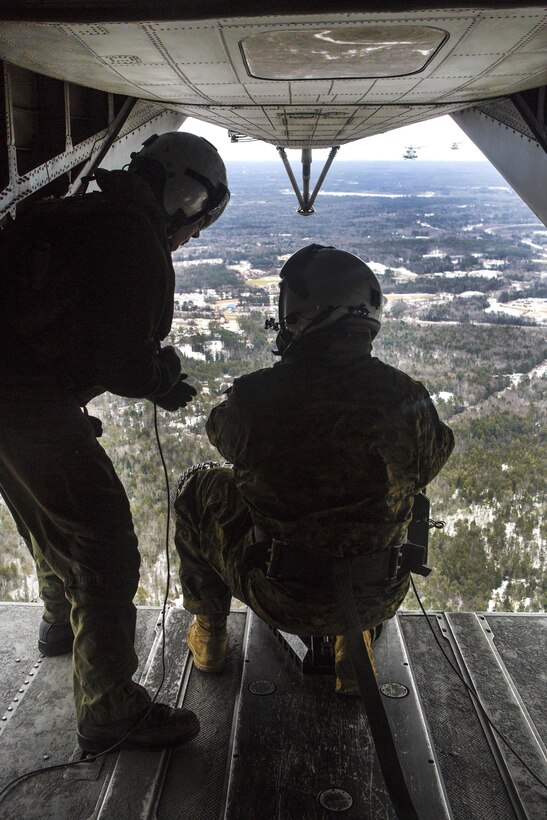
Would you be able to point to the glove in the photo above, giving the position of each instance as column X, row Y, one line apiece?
column 96, row 424
column 170, row 365
column 180, row 394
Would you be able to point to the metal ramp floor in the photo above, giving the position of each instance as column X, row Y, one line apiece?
column 279, row 745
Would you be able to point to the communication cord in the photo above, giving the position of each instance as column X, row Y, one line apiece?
column 474, row 693
column 92, row 758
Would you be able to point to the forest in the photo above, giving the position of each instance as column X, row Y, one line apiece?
column 491, row 552
column 432, row 232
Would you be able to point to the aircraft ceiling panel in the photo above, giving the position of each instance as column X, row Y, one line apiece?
column 198, row 73
column 156, row 73
column 175, row 92
column 507, row 84
column 513, row 65
column 536, row 43
column 380, row 88
column 114, row 40
column 466, row 65
column 504, row 32
column 310, row 88
column 319, row 126
column 225, row 93
column 187, row 43
column 271, row 95
column 437, row 87
column 202, row 67
column 56, row 56
column 538, row 79
column 346, row 96
column 82, row 78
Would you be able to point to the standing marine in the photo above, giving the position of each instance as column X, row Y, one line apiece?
column 88, row 299
column 329, row 447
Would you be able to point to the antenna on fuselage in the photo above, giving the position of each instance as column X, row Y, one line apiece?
column 305, row 201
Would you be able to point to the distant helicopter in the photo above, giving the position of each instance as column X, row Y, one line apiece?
column 410, row 152
column 455, row 146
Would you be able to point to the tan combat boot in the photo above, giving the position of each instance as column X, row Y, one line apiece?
column 346, row 683
column 207, row 641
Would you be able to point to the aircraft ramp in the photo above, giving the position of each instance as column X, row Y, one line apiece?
column 277, row 744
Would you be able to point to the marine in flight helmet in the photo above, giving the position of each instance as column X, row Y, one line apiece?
column 319, row 286
column 187, row 175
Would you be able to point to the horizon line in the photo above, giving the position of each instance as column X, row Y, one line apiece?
column 405, row 161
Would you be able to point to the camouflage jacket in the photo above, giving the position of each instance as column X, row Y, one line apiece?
column 90, row 291
column 330, row 445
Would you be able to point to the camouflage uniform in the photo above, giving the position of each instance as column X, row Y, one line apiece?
column 50, row 587
column 89, row 296
column 328, row 448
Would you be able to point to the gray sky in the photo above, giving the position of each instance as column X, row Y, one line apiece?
column 432, row 139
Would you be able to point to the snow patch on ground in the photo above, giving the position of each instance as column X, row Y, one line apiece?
column 479, row 514
column 193, row 263
column 497, row 595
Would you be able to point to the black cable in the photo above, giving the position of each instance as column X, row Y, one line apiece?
column 92, row 758
column 472, row 691
column 167, row 558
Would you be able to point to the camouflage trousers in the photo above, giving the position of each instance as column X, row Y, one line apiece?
column 72, row 511
column 214, row 530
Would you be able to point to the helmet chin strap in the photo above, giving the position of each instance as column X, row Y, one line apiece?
column 285, row 338
column 178, row 220
column 283, row 341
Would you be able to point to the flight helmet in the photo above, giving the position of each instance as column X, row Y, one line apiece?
column 187, row 175
column 319, row 286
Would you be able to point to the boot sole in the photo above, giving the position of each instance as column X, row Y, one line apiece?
column 98, row 746
column 208, row 669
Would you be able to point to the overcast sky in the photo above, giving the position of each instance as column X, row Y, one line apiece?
column 433, row 140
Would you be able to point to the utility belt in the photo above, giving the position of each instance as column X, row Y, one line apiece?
column 286, row 562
